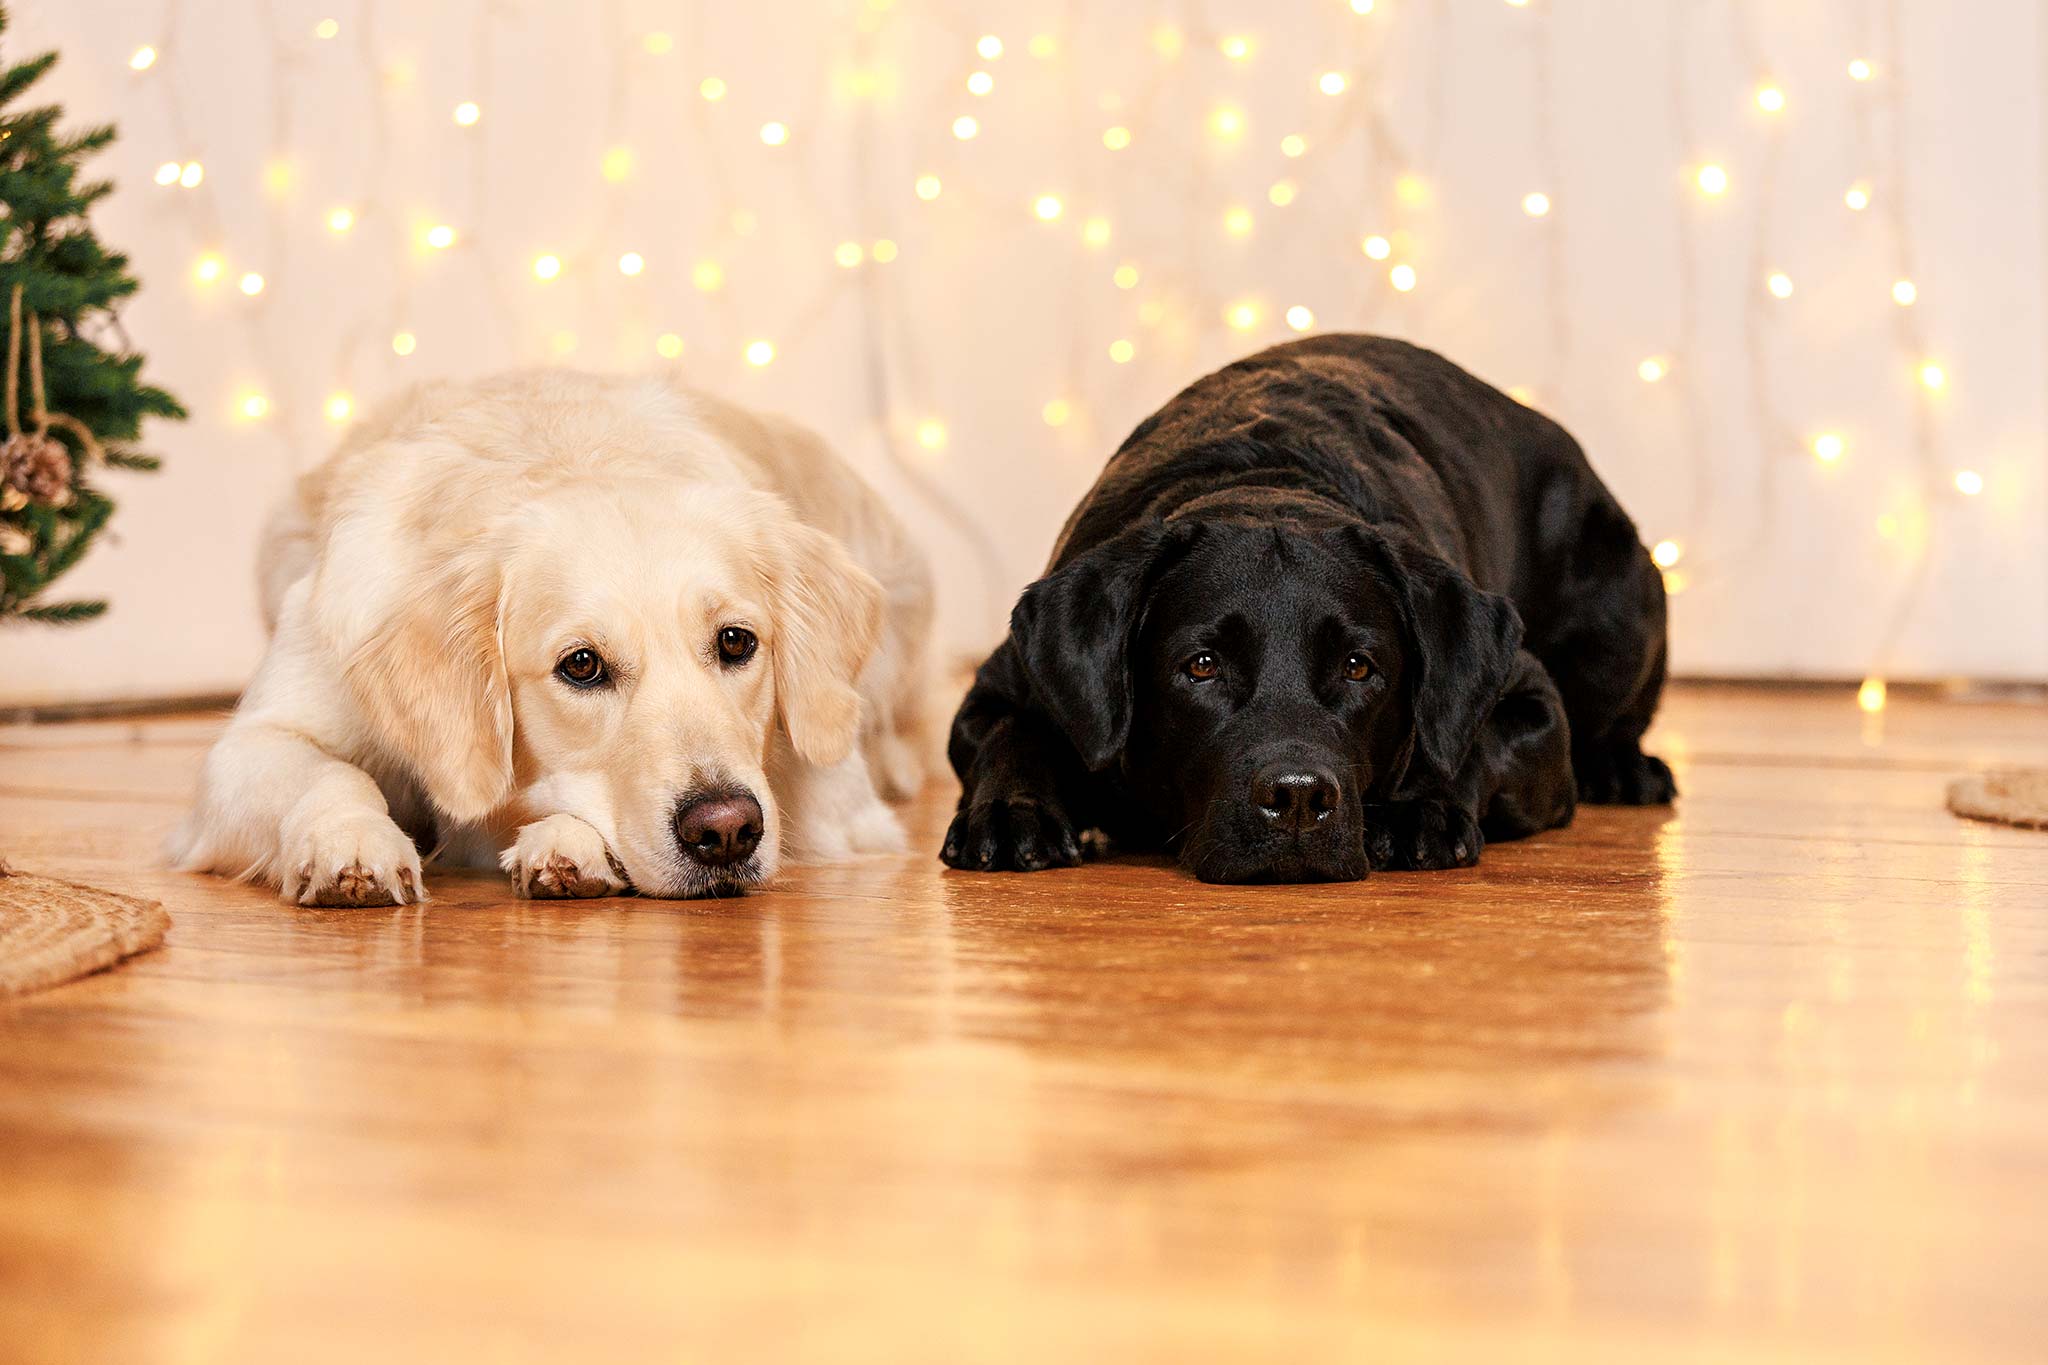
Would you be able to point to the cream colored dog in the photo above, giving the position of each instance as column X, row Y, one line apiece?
column 610, row 634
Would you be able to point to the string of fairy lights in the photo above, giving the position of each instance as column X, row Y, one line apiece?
column 1342, row 113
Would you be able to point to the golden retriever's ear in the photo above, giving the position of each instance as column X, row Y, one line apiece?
column 829, row 611
column 422, row 657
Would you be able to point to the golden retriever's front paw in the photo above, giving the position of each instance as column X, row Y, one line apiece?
column 563, row 858
column 354, row 859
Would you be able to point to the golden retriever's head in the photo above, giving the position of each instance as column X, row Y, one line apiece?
column 630, row 650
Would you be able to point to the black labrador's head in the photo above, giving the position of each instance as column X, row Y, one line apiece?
column 1256, row 686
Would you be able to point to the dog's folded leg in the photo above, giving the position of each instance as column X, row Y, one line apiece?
column 1011, row 816
column 563, row 858
column 832, row 811
column 275, row 806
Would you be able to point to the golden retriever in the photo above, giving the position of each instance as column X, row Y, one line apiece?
column 609, row 634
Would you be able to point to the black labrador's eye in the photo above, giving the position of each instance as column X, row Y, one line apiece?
column 1201, row 667
column 1357, row 668
column 736, row 645
column 583, row 668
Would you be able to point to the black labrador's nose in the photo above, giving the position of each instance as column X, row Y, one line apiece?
column 719, row 829
column 1295, row 798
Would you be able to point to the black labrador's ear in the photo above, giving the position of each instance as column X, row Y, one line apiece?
column 1465, row 640
column 1073, row 630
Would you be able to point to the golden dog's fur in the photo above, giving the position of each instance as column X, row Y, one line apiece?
column 423, row 584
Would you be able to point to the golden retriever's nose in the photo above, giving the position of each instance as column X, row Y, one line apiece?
column 720, row 829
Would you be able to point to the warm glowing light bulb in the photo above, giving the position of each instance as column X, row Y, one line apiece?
column 980, row 83
column 708, row 276
column 668, row 345
column 658, row 44
column 989, row 46
column 1300, row 318
column 1712, row 180
column 1293, row 145
column 711, row 88
column 1905, row 293
column 1361, row 6
column 251, row 284
column 1780, row 284
column 562, row 343
column 1969, row 482
column 252, row 405
column 1121, row 351
column 404, row 343
column 1056, row 412
column 1871, row 696
column 191, row 174
column 1237, row 221
column 1858, row 196
column 1522, row 394
column 1282, row 193
column 774, row 134
column 440, row 236
column 1770, row 99
column 1652, row 369
column 1167, row 41
column 1047, row 207
column 1126, row 276
column 927, row 187
column 1411, row 188
column 617, row 164
column 1235, row 46
column 1933, row 377
column 760, row 352
column 142, row 59
column 1829, row 447
column 547, row 266
column 1242, row 316
column 326, row 29
column 632, row 263
column 848, row 254
column 1116, row 138
column 1096, row 232
column 1402, row 277
column 338, row 407
column 466, row 113
column 1227, row 122
column 1332, row 82
column 1676, row 581
column 340, row 219
column 883, row 251
column 208, row 268
column 1536, row 204
column 1377, row 247
column 1861, row 70
column 965, row 127
column 1666, row 553
column 167, row 174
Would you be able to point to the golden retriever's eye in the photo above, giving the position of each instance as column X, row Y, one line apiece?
column 583, row 668
column 1201, row 667
column 1357, row 668
column 736, row 645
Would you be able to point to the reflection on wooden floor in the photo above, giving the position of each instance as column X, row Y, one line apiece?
column 1766, row 1076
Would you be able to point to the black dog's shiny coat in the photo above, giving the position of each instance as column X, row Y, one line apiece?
column 1339, row 605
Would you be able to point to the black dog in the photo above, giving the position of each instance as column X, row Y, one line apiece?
column 1337, row 606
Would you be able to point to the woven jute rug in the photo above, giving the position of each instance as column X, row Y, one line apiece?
column 2011, row 796
column 52, row 931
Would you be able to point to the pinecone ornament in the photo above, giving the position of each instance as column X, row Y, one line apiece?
column 37, row 465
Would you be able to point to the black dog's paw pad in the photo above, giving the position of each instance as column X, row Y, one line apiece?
column 1422, row 836
column 1018, row 834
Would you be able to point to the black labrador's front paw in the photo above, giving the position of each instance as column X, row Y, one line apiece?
column 1421, row 836
column 1015, row 833
column 1622, row 775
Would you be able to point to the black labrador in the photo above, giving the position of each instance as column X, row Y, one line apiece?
column 1338, row 606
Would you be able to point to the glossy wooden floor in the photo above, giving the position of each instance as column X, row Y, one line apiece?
column 1765, row 1078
